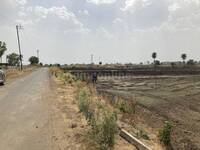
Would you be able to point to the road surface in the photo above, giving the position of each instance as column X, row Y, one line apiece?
column 25, row 113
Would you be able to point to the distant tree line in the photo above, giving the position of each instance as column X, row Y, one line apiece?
column 190, row 62
column 13, row 59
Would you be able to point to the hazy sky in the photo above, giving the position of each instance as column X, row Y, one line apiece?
column 69, row 31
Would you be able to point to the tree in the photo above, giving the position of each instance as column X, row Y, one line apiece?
column 191, row 62
column 2, row 49
column 13, row 59
column 33, row 60
column 154, row 55
column 157, row 62
column 184, row 56
column 173, row 64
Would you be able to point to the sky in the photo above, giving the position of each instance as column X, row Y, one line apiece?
column 123, row 31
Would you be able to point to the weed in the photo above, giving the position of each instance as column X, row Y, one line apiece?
column 106, row 130
column 164, row 134
column 84, row 103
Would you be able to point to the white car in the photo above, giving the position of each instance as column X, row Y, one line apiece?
column 2, row 77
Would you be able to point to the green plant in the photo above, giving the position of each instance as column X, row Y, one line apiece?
column 84, row 103
column 102, row 121
column 106, row 129
column 164, row 134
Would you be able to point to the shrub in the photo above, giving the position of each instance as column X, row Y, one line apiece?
column 68, row 78
column 106, row 129
column 55, row 71
column 84, row 103
column 164, row 134
column 102, row 121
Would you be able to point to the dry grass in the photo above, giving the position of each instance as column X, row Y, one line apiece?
column 78, row 127
column 15, row 73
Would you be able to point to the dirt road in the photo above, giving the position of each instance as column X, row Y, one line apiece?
column 25, row 113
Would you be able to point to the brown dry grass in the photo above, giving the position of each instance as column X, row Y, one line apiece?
column 15, row 73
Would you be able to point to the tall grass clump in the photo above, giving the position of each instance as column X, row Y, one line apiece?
column 165, row 133
column 125, row 106
column 66, row 77
column 106, row 128
column 103, row 122
column 55, row 71
column 84, row 103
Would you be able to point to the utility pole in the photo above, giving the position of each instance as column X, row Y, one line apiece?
column 38, row 55
column 20, row 53
column 92, row 57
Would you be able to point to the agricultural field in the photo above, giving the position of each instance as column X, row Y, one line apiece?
column 162, row 98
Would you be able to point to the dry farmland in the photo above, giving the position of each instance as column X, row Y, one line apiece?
column 163, row 98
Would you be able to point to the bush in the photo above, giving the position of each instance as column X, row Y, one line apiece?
column 68, row 78
column 55, row 71
column 84, row 104
column 107, row 128
column 165, row 133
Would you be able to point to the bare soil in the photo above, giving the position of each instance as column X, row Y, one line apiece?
column 162, row 98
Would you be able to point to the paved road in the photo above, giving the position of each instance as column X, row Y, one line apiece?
column 25, row 115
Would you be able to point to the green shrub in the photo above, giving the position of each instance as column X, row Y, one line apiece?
column 106, row 129
column 84, row 103
column 102, row 121
column 164, row 134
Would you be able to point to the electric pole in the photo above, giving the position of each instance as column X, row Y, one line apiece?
column 92, row 57
column 20, row 53
column 38, row 55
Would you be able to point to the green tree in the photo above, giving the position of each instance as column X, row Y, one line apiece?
column 2, row 49
column 154, row 55
column 13, row 59
column 191, row 62
column 33, row 60
column 184, row 56
column 157, row 62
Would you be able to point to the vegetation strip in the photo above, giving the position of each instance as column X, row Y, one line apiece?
column 102, row 118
